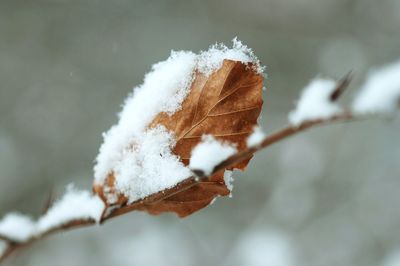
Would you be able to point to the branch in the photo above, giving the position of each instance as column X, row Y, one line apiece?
column 280, row 135
column 184, row 185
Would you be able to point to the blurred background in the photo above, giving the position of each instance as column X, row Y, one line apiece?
column 327, row 197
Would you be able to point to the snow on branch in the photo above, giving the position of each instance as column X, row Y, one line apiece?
column 209, row 153
column 74, row 205
column 210, row 60
column 315, row 102
column 256, row 137
column 17, row 227
column 381, row 92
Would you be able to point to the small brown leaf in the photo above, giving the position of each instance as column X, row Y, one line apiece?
column 225, row 104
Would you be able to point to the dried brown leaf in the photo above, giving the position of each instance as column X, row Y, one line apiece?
column 225, row 104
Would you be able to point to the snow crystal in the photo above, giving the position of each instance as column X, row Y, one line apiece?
column 17, row 227
column 73, row 205
column 140, row 158
column 228, row 180
column 212, row 59
column 209, row 153
column 381, row 92
column 315, row 102
column 256, row 138
column 152, row 157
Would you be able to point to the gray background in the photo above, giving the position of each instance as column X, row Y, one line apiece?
column 326, row 197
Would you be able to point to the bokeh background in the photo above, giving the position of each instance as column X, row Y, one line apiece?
column 327, row 197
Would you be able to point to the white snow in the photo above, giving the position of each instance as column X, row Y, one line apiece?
column 212, row 59
column 75, row 204
column 140, row 158
column 315, row 103
column 209, row 153
column 17, row 227
column 228, row 180
column 150, row 167
column 381, row 92
column 256, row 138
column 163, row 90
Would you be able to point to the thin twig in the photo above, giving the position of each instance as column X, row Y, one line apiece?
column 278, row 136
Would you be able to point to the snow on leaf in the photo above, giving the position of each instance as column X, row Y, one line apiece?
column 163, row 90
column 223, row 99
column 209, row 153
